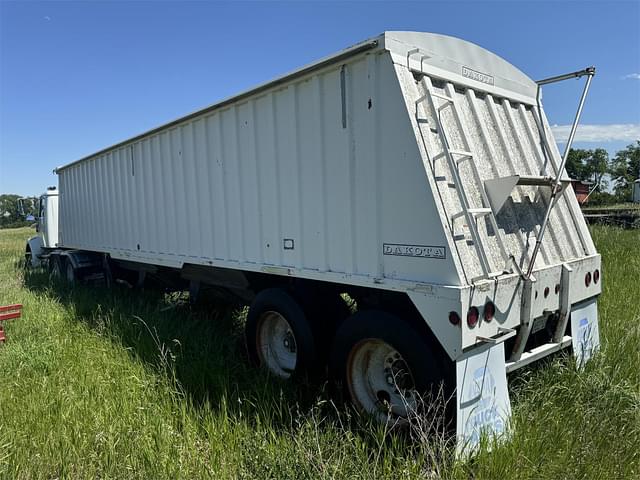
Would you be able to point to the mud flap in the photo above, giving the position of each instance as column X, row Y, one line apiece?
column 483, row 406
column 584, row 330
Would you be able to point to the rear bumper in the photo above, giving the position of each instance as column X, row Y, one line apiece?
column 518, row 303
column 537, row 353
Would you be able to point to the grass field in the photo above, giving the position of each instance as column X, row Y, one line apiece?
column 121, row 384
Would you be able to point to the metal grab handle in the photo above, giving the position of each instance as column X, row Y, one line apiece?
column 503, row 334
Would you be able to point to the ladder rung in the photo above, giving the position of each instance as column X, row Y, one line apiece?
column 443, row 97
column 461, row 153
column 478, row 212
column 487, row 275
column 497, row 273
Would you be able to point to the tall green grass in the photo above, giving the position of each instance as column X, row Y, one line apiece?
column 124, row 384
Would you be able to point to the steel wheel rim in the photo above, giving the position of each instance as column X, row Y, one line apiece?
column 380, row 381
column 276, row 344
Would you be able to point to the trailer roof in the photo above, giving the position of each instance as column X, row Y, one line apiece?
column 466, row 61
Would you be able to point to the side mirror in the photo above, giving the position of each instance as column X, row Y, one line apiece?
column 21, row 211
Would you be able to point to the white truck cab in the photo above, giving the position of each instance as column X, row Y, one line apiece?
column 48, row 218
column 46, row 226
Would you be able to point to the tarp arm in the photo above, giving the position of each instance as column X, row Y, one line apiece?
column 589, row 72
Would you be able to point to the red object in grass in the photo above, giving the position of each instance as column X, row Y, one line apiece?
column 8, row 312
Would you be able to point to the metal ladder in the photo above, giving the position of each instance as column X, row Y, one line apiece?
column 438, row 103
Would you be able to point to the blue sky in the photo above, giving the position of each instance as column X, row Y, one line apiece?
column 77, row 77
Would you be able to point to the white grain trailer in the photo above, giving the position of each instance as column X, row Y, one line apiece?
column 415, row 172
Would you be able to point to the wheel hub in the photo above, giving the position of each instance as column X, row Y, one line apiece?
column 380, row 380
column 276, row 344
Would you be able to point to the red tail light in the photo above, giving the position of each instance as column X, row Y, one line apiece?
column 472, row 317
column 454, row 318
column 587, row 279
column 489, row 311
column 596, row 276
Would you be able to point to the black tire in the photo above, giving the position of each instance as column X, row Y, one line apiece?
column 279, row 301
column 28, row 257
column 56, row 268
column 430, row 373
column 70, row 274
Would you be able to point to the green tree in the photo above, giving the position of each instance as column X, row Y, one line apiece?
column 597, row 166
column 10, row 216
column 576, row 163
column 589, row 166
column 625, row 169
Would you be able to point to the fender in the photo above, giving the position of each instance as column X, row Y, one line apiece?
column 81, row 259
column 34, row 245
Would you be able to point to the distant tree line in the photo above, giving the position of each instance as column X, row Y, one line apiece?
column 596, row 168
column 10, row 215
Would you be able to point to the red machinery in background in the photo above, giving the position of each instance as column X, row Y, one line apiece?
column 8, row 312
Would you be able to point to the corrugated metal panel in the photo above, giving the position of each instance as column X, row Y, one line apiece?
column 319, row 171
column 505, row 140
column 290, row 166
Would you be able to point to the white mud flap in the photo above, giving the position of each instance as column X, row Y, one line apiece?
column 584, row 330
column 483, row 406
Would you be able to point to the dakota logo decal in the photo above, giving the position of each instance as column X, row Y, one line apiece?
column 421, row 251
column 477, row 76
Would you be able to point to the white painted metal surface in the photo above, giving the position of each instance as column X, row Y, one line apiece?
column 337, row 172
column 482, row 400
column 585, row 330
column 48, row 222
